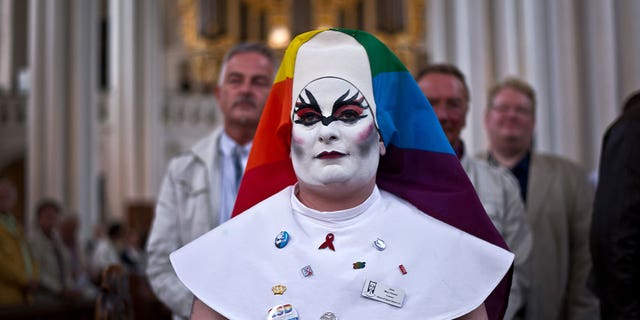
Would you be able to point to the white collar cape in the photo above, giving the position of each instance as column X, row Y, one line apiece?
column 234, row 267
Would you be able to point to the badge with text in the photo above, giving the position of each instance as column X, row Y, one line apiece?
column 383, row 293
column 283, row 312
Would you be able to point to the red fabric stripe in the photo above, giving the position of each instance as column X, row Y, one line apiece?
column 269, row 168
column 270, row 179
column 273, row 136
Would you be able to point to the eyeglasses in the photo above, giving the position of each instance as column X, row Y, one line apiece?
column 519, row 110
column 450, row 105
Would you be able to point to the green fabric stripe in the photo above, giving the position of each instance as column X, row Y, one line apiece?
column 381, row 59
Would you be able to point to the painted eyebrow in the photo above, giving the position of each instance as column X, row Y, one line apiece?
column 312, row 104
column 353, row 101
column 341, row 101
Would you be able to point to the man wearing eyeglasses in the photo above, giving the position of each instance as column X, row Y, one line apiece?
column 446, row 88
column 558, row 200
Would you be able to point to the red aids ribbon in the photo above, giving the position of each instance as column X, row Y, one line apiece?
column 328, row 242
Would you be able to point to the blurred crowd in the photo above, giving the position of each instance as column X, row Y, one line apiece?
column 49, row 265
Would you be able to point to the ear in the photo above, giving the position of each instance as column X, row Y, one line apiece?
column 383, row 150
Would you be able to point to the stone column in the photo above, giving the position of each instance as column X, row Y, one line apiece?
column 61, row 111
column 133, row 166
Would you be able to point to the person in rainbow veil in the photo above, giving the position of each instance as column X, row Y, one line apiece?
column 346, row 210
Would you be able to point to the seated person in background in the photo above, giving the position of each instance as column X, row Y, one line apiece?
column 114, row 300
column 68, row 229
column 53, row 258
column 133, row 255
column 328, row 225
column 18, row 273
column 108, row 251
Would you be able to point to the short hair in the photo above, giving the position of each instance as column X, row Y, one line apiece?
column 245, row 47
column 47, row 203
column 449, row 69
column 116, row 230
column 516, row 84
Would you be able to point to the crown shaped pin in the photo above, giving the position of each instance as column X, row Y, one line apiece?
column 278, row 289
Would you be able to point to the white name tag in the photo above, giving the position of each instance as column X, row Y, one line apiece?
column 383, row 293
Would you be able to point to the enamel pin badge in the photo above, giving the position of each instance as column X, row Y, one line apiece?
column 283, row 312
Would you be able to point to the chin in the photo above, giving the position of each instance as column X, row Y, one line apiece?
column 333, row 179
column 252, row 120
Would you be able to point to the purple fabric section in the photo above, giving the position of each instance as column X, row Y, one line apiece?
column 436, row 184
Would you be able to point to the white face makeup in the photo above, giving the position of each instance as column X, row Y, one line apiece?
column 334, row 138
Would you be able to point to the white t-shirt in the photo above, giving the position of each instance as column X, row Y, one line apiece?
column 234, row 267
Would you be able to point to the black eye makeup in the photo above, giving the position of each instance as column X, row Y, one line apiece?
column 346, row 108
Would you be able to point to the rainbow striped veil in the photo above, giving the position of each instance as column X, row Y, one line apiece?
column 419, row 165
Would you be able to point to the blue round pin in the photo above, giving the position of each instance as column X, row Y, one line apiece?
column 282, row 239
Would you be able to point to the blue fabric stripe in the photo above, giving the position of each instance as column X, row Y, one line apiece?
column 407, row 120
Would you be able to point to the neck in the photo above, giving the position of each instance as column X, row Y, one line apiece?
column 240, row 134
column 458, row 148
column 508, row 157
column 333, row 197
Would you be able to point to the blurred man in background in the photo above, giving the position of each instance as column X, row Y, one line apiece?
column 445, row 87
column 200, row 186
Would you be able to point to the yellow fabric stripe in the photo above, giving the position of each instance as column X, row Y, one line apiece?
column 289, row 60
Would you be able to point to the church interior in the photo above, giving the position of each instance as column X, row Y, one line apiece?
column 96, row 96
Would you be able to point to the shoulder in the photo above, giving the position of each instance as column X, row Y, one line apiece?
column 266, row 212
column 485, row 176
column 194, row 157
column 563, row 172
column 484, row 154
column 625, row 128
column 558, row 164
column 207, row 142
column 279, row 199
column 406, row 220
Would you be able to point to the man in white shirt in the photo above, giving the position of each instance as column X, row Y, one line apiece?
column 200, row 186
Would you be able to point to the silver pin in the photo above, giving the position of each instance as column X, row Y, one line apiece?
column 379, row 244
column 328, row 316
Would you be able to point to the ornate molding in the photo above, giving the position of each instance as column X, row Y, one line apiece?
column 257, row 20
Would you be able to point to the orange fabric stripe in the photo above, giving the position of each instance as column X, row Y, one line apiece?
column 273, row 136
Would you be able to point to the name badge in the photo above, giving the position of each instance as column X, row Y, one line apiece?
column 383, row 293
